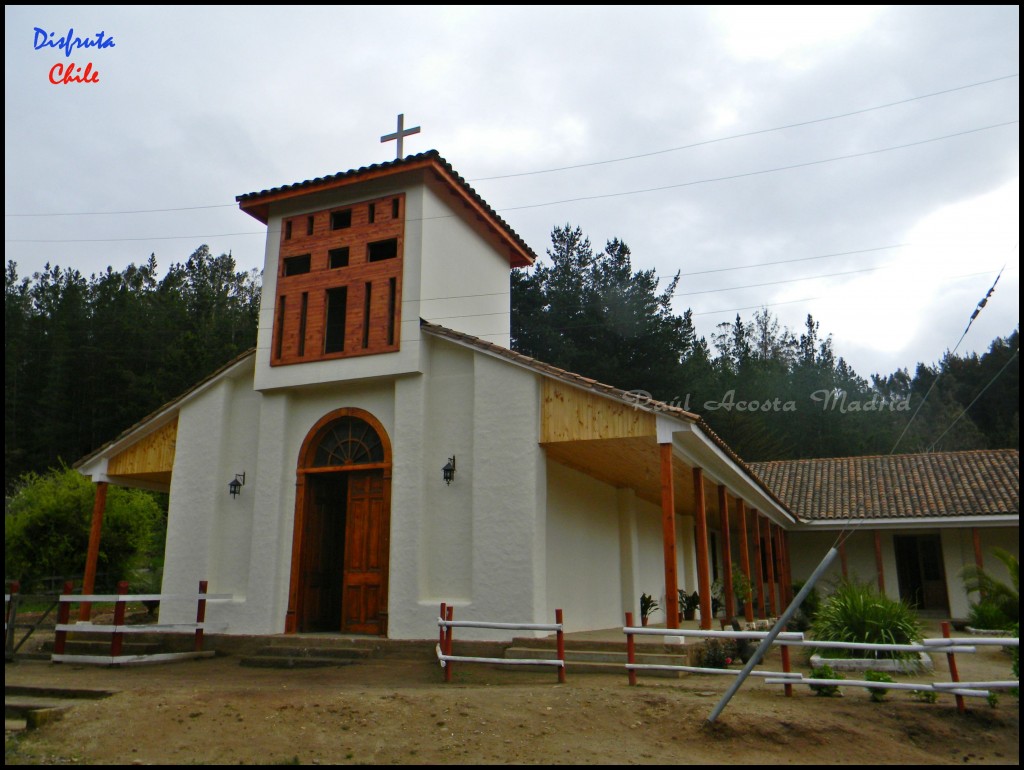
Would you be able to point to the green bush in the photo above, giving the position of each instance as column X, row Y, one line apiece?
column 46, row 529
column 994, row 592
column 877, row 694
column 804, row 617
column 925, row 696
column 856, row 612
column 714, row 654
column 988, row 615
column 825, row 690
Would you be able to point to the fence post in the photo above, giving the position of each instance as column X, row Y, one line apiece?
column 440, row 628
column 117, row 638
column 449, row 616
column 630, row 649
column 560, row 646
column 63, row 616
column 954, row 675
column 10, row 618
column 201, row 614
column 786, row 667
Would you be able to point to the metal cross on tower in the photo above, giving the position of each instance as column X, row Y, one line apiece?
column 400, row 134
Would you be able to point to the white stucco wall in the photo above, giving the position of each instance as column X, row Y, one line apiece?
column 808, row 548
column 465, row 283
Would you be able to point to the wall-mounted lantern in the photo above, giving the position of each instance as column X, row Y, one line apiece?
column 236, row 484
column 448, row 471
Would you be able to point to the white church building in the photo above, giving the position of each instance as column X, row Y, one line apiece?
column 383, row 450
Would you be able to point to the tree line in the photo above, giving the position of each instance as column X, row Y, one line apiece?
column 772, row 393
column 86, row 358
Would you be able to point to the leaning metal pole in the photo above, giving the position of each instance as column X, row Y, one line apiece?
column 767, row 641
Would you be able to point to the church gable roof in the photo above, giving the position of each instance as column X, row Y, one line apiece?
column 473, row 208
column 939, row 485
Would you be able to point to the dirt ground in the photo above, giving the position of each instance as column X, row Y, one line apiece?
column 400, row 712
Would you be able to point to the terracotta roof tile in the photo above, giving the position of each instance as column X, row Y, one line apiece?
column 935, row 485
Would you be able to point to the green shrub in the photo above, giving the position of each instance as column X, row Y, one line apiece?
column 47, row 523
column 877, row 694
column 925, row 696
column 856, row 612
column 804, row 617
column 714, row 654
column 987, row 614
column 991, row 590
column 825, row 690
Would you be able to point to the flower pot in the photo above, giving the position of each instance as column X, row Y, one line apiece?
column 689, row 614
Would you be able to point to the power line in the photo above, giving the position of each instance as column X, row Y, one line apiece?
column 587, row 197
column 980, row 394
column 763, row 171
column 745, row 134
column 580, row 165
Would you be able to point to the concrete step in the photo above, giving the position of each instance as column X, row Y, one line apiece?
column 302, row 661
column 608, row 658
column 76, row 647
column 15, row 725
column 31, row 707
column 303, row 651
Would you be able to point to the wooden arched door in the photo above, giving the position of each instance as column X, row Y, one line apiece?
column 340, row 545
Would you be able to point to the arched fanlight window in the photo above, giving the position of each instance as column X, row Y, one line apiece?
column 349, row 441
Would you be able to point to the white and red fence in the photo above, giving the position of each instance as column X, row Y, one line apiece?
column 948, row 645
column 118, row 629
column 446, row 625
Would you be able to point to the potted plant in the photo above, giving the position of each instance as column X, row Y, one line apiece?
column 741, row 589
column 688, row 604
column 648, row 604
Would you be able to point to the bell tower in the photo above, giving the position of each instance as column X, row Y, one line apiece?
column 355, row 260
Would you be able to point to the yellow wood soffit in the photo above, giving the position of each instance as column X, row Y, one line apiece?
column 152, row 454
column 571, row 414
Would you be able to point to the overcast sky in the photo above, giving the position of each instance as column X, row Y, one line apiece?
column 916, row 191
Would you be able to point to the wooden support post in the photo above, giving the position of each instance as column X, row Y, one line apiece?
column 954, row 675
column 723, row 509
column 748, row 602
column 770, row 559
column 703, row 568
column 99, row 505
column 878, row 562
column 784, row 540
column 668, row 537
column 560, row 646
column 117, row 638
column 758, row 566
column 448, row 646
column 842, row 559
column 630, row 650
column 201, row 614
column 63, row 618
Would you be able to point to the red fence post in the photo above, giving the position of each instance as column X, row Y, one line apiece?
column 560, row 646
column 448, row 645
column 201, row 614
column 630, row 649
column 786, row 668
column 117, row 638
column 954, row 675
column 63, row 617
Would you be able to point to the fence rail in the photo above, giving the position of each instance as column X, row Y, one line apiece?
column 446, row 624
column 118, row 629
